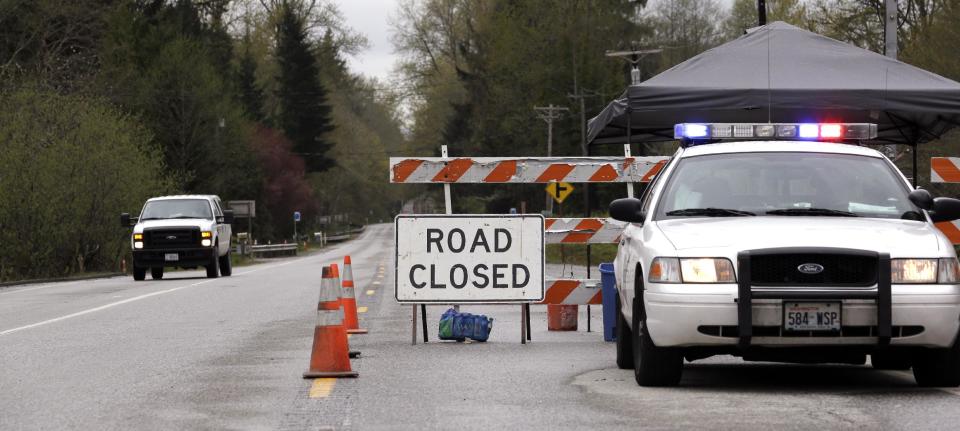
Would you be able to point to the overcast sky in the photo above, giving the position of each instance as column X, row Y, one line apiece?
column 370, row 17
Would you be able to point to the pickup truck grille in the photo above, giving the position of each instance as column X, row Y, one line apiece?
column 841, row 270
column 171, row 238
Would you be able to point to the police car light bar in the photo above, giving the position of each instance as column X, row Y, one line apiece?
column 822, row 131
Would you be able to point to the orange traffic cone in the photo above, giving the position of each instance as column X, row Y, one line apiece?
column 330, row 351
column 336, row 278
column 348, row 298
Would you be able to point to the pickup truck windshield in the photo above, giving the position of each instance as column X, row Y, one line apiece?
column 176, row 208
column 784, row 184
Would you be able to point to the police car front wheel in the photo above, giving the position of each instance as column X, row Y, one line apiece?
column 938, row 367
column 652, row 365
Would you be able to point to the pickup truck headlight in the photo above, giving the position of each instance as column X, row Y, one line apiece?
column 138, row 240
column 692, row 270
column 207, row 240
column 924, row 271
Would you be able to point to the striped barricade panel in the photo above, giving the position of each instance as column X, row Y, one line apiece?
column 951, row 229
column 583, row 230
column 525, row 169
column 568, row 291
column 945, row 169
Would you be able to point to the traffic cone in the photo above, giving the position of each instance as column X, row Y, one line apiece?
column 348, row 298
column 336, row 277
column 330, row 351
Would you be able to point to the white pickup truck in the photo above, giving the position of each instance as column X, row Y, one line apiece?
column 791, row 245
column 185, row 231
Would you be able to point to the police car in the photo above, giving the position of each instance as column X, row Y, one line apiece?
column 786, row 243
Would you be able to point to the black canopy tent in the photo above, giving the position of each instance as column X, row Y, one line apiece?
column 779, row 73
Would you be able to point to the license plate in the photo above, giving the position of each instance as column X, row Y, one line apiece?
column 811, row 316
column 171, row 257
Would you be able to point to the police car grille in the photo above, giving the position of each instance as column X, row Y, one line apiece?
column 838, row 270
column 165, row 238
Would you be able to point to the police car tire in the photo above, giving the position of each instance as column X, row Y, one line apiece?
column 139, row 274
column 652, row 365
column 888, row 361
column 156, row 273
column 226, row 267
column 938, row 367
column 213, row 269
column 624, row 340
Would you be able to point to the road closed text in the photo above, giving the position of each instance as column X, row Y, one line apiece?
column 478, row 275
column 469, row 258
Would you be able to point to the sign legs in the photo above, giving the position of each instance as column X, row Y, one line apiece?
column 423, row 312
column 523, row 324
column 413, row 330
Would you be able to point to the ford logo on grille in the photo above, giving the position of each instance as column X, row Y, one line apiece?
column 810, row 268
column 175, row 237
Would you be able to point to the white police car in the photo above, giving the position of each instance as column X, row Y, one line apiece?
column 795, row 250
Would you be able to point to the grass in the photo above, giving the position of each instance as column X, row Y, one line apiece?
column 576, row 254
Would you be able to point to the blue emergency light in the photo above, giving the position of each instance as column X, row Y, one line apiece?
column 811, row 131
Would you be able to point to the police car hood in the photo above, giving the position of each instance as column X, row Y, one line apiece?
column 900, row 238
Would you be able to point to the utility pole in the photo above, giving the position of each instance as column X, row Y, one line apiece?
column 580, row 94
column 890, row 29
column 762, row 12
column 634, row 58
column 549, row 114
column 636, row 77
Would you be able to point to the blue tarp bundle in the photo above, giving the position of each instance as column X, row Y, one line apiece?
column 460, row 326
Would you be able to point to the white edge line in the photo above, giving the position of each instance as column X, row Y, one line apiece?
column 135, row 298
column 47, row 285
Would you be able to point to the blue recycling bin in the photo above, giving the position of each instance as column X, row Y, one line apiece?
column 608, row 288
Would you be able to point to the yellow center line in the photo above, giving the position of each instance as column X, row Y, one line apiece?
column 322, row 387
column 370, row 292
column 361, row 309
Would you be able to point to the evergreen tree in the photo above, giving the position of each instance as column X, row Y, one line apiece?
column 251, row 96
column 305, row 116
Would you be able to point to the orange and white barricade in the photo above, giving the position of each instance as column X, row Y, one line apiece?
column 525, row 170
column 583, row 230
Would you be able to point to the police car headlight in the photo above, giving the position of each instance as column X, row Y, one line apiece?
column 913, row 271
column 692, row 270
column 707, row 270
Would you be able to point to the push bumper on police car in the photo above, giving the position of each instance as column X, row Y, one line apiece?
column 754, row 313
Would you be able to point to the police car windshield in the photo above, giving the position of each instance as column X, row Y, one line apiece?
column 785, row 184
column 176, row 208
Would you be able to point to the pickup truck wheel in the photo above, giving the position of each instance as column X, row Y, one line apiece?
column 139, row 274
column 226, row 267
column 938, row 367
column 213, row 269
column 624, row 340
column 156, row 273
column 652, row 365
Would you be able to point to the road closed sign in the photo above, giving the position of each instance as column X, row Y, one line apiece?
column 469, row 258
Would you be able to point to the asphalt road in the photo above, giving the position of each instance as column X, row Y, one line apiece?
column 191, row 353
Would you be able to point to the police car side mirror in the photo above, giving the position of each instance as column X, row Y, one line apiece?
column 945, row 209
column 922, row 199
column 627, row 209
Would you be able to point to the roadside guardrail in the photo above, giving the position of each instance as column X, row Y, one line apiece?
column 273, row 249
